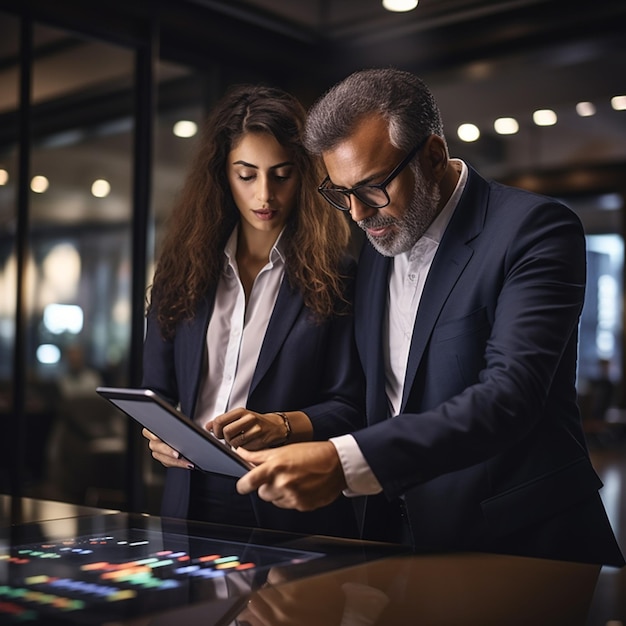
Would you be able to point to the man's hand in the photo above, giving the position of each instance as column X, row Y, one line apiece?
column 163, row 453
column 301, row 476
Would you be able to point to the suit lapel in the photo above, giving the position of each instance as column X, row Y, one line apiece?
column 191, row 337
column 373, row 279
column 450, row 260
column 288, row 305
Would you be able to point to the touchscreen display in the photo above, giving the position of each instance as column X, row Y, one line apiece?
column 103, row 577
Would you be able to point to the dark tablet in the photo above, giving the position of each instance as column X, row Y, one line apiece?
column 200, row 447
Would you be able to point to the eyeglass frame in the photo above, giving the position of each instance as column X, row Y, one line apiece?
column 381, row 186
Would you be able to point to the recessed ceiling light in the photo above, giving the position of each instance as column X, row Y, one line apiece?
column 100, row 188
column 506, row 126
column 586, row 109
column 39, row 184
column 544, row 117
column 185, row 128
column 619, row 103
column 468, row 132
column 399, row 6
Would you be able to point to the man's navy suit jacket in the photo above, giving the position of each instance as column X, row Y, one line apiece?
column 487, row 451
column 303, row 365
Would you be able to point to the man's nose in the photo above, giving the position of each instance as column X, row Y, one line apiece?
column 358, row 210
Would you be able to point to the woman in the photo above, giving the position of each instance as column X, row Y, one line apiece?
column 249, row 311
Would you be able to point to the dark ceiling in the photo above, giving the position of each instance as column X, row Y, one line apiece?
column 483, row 59
column 438, row 35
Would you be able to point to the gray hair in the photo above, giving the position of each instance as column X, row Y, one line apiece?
column 402, row 98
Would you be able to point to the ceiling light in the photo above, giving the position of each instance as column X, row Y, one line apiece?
column 506, row 126
column 399, row 6
column 39, row 184
column 100, row 188
column 468, row 132
column 544, row 117
column 619, row 103
column 185, row 128
column 586, row 109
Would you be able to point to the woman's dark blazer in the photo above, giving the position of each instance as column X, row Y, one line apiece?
column 303, row 365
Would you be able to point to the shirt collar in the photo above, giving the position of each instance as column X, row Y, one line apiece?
column 277, row 253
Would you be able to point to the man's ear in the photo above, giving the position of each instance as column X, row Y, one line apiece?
column 434, row 158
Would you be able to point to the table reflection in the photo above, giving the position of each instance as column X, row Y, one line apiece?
column 103, row 567
column 467, row 589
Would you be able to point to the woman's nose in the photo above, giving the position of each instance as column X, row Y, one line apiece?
column 264, row 189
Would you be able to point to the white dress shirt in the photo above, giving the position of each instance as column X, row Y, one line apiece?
column 406, row 282
column 236, row 332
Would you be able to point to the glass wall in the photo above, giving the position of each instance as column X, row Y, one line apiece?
column 9, row 78
column 82, row 239
column 78, row 267
column 602, row 314
column 182, row 98
column 600, row 363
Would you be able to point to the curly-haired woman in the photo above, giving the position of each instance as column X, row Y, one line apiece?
column 250, row 309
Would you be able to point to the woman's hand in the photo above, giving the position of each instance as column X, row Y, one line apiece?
column 163, row 453
column 248, row 429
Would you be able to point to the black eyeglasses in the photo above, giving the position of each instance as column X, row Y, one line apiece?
column 374, row 196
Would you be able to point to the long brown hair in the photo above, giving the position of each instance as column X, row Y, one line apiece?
column 204, row 215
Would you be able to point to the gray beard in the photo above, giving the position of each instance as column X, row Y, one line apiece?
column 421, row 212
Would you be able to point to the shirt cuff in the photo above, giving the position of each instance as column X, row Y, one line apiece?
column 359, row 477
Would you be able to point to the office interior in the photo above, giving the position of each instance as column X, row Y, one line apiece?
column 99, row 109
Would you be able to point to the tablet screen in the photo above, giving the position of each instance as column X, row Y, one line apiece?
column 197, row 445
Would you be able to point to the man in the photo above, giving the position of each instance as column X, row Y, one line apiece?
column 466, row 318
